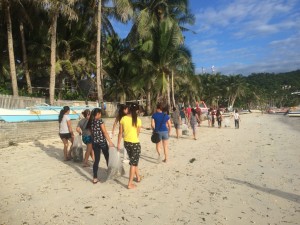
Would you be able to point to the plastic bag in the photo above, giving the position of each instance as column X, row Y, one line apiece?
column 115, row 166
column 227, row 122
column 184, row 127
column 77, row 149
column 185, row 130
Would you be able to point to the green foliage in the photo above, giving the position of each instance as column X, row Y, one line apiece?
column 5, row 90
column 134, row 67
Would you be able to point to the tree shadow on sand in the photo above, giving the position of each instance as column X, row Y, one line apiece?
column 57, row 153
column 148, row 158
column 276, row 192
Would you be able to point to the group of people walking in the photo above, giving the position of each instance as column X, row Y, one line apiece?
column 94, row 134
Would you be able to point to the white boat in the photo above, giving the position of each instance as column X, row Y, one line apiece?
column 38, row 113
column 294, row 113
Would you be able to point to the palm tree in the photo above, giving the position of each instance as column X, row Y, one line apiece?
column 181, row 66
column 13, row 74
column 54, row 9
column 98, row 54
column 157, row 30
column 122, row 12
column 235, row 88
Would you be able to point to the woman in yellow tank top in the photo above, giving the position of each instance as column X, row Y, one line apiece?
column 130, row 126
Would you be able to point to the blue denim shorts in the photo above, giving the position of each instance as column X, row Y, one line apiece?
column 163, row 135
column 87, row 139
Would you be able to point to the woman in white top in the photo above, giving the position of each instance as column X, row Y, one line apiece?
column 65, row 131
column 237, row 119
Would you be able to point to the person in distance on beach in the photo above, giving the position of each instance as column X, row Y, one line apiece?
column 65, row 131
column 100, row 138
column 194, row 120
column 129, row 129
column 219, row 118
column 199, row 113
column 213, row 117
column 182, row 115
column 86, row 136
column 161, row 124
column 209, row 112
column 237, row 119
column 176, row 120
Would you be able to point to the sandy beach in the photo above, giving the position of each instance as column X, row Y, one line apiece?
column 228, row 176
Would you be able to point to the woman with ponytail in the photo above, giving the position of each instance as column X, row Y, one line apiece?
column 99, row 139
column 130, row 126
column 65, row 131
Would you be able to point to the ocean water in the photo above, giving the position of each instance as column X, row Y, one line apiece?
column 293, row 122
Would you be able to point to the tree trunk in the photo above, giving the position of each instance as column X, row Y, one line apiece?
column 25, row 60
column 53, row 58
column 98, row 55
column 123, row 98
column 232, row 100
column 172, row 87
column 148, row 100
column 11, row 54
column 168, row 92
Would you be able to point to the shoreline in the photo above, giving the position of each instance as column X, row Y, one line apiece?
column 227, row 176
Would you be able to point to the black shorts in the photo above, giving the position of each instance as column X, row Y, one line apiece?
column 65, row 136
column 134, row 152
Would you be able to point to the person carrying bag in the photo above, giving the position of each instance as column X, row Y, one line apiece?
column 161, row 124
column 155, row 135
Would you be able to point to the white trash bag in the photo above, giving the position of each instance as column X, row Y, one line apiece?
column 226, row 122
column 77, row 150
column 115, row 165
column 185, row 130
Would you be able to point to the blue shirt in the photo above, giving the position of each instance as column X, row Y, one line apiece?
column 160, row 118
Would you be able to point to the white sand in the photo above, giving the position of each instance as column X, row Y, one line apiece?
column 239, row 176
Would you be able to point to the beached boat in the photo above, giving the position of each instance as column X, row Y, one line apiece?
column 294, row 112
column 202, row 106
column 38, row 113
column 274, row 110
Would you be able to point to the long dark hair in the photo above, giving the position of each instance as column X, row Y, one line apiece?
column 62, row 113
column 194, row 111
column 133, row 108
column 94, row 112
column 121, row 113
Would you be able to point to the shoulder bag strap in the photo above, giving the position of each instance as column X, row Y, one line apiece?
column 161, row 122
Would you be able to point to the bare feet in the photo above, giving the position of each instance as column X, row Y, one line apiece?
column 131, row 186
column 95, row 181
column 138, row 179
column 86, row 164
column 164, row 160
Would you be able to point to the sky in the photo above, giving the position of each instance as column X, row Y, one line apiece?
column 243, row 36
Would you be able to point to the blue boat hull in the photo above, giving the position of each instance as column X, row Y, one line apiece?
column 38, row 113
